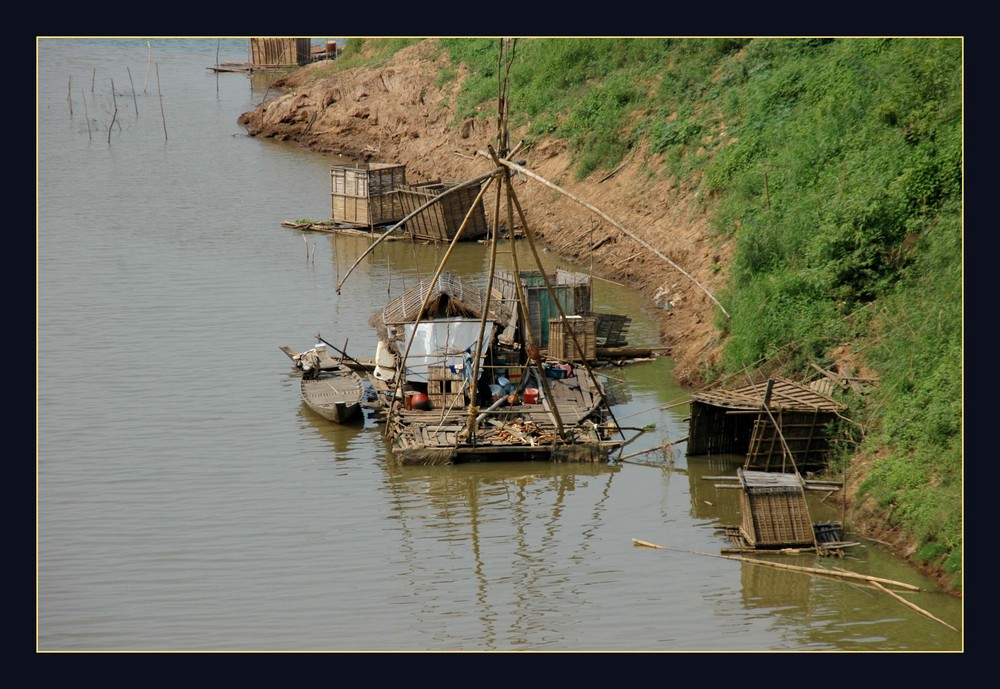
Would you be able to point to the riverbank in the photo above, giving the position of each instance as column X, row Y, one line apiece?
column 400, row 112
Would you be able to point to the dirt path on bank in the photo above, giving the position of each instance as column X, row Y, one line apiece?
column 399, row 113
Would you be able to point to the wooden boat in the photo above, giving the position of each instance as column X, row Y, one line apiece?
column 330, row 387
column 333, row 393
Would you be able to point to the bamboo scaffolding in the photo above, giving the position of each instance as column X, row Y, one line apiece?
column 602, row 214
column 430, row 292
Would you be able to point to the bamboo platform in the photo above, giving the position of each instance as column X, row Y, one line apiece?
column 509, row 433
column 832, row 546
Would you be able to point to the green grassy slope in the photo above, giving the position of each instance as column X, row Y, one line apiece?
column 836, row 165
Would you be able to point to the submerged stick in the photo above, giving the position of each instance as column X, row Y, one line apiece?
column 161, row 102
column 132, row 84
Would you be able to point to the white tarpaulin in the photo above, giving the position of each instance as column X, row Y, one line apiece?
column 442, row 342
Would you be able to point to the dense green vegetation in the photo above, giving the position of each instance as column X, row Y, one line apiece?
column 836, row 167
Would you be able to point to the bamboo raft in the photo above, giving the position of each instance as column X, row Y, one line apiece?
column 511, row 432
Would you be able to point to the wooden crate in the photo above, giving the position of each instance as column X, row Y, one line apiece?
column 365, row 194
column 561, row 341
column 444, row 388
column 441, row 221
column 280, row 52
column 509, row 360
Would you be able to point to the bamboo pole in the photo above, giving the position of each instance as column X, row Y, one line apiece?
column 911, row 605
column 559, row 308
column 115, row 113
column 423, row 306
column 664, row 446
column 532, row 347
column 149, row 61
column 135, row 102
column 160, row 93
column 86, row 114
column 794, row 568
column 644, row 243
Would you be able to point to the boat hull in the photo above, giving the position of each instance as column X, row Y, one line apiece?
column 335, row 395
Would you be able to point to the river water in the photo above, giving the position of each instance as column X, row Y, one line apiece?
column 187, row 500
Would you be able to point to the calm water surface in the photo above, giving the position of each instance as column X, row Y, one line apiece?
column 188, row 501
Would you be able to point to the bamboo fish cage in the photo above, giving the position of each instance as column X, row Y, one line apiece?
column 365, row 194
column 441, row 221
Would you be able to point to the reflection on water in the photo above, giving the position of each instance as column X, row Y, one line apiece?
column 516, row 529
column 708, row 500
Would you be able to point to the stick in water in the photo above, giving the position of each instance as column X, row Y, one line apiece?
column 161, row 102
column 911, row 605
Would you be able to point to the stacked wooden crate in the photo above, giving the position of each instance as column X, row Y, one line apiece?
column 561, row 333
column 444, row 388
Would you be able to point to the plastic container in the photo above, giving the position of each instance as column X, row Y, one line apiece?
column 531, row 395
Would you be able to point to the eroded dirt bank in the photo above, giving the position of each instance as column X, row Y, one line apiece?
column 399, row 114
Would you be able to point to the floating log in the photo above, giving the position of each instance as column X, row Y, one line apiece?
column 628, row 352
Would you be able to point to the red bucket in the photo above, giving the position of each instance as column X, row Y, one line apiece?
column 531, row 395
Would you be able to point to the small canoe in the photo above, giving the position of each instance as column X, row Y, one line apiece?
column 334, row 394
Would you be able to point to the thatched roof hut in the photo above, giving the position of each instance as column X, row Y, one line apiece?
column 451, row 296
column 739, row 421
